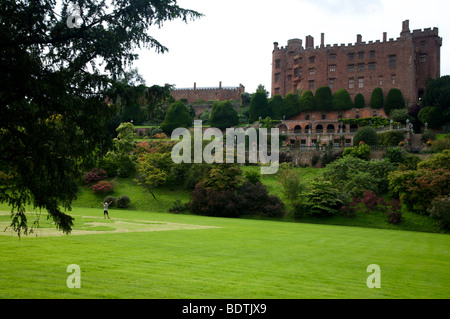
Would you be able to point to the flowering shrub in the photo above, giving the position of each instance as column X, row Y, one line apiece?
column 161, row 136
column 94, row 176
column 417, row 189
column 142, row 148
column 103, row 187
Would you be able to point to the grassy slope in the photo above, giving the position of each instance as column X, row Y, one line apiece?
column 142, row 200
column 242, row 259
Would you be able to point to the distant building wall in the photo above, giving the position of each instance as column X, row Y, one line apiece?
column 220, row 93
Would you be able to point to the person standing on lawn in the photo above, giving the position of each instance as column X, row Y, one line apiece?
column 105, row 209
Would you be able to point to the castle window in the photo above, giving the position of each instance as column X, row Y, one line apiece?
column 289, row 78
column 351, row 83
column 332, row 57
column 312, row 71
column 277, row 91
column 351, row 68
column 351, row 56
column 372, row 54
column 423, row 58
column 422, row 44
column 361, row 83
column 331, row 83
column 307, row 117
column 392, row 61
column 361, row 55
column 295, row 61
column 393, row 79
column 324, row 116
column 372, row 66
column 277, row 78
column 312, row 59
column 311, row 85
column 381, row 81
column 360, row 67
column 332, row 68
column 277, row 64
column 297, row 72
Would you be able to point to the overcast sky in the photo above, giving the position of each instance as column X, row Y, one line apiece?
column 233, row 41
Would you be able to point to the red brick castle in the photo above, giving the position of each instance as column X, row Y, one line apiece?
column 406, row 63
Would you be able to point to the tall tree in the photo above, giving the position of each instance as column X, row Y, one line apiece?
column 57, row 69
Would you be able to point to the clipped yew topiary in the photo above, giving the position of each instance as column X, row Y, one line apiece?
column 223, row 115
column 290, row 105
column 307, row 101
column 324, row 98
column 177, row 116
column 259, row 107
column 376, row 100
column 394, row 100
column 342, row 100
column 360, row 102
column 275, row 106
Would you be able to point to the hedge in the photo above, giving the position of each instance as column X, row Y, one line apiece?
column 391, row 138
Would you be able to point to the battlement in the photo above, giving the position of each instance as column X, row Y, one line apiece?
column 426, row 32
column 405, row 34
column 230, row 88
column 220, row 87
column 220, row 93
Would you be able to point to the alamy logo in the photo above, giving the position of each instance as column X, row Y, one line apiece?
column 74, row 280
column 235, row 140
column 374, row 280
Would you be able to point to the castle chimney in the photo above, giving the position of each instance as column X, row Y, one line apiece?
column 275, row 45
column 322, row 40
column 195, row 86
column 405, row 28
column 384, row 36
column 220, row 85
column 309, row 42
column 358, row 38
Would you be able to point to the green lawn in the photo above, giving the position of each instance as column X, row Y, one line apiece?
column 146, row 252
column 240, row 258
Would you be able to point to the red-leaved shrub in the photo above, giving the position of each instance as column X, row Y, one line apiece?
column 103, row 187
column 94, row 176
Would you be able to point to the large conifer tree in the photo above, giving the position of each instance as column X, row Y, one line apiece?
column 57, row 64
